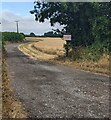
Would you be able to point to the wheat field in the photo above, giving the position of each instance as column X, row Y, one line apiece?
column 47, row 42
column 43, row 48
column 52, row 46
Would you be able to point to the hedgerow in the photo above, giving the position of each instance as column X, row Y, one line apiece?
column 12, row 37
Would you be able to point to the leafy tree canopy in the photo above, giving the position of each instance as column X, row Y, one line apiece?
column 86, row 22
column 32, row 34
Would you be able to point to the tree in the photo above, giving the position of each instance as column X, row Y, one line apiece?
column 52, row 34
column 101, row 28
column 49, row 34
column 81, row 20
column 32, row 34
column 75, row 16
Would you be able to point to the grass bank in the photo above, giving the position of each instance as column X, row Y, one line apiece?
column 11, row 107
column 101, row 66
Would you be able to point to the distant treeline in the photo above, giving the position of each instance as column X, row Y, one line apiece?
column 47, row 34
column 52, row 34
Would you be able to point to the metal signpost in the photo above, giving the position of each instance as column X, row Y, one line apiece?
column 67, row 38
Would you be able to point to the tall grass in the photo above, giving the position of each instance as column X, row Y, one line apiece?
column 91, row 53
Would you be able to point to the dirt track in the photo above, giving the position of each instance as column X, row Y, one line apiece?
column 49, row 90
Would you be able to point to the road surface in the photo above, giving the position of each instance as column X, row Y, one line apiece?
column 52, row 91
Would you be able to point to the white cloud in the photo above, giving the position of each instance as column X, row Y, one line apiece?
column 27, row 24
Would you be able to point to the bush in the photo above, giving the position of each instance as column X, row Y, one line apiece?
column 95, row 51
column 92, row 53
column 12, row 37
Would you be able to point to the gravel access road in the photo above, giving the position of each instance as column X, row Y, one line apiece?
column 55, row 91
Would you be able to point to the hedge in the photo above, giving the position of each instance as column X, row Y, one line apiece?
column 12, row 36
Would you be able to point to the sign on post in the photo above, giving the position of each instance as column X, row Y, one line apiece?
column 67, row 37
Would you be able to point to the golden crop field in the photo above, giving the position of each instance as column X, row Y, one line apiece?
column 48, row 45
column 43, row 48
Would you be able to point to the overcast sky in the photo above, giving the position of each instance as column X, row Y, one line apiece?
column 19, row 11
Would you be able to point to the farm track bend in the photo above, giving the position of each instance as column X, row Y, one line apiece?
column 48, row 90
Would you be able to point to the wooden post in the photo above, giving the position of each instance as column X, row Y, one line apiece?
column 67, row 38
column 67, row 48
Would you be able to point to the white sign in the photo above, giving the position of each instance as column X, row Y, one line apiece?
column 67, row 37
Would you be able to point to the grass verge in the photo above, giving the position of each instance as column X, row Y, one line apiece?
column 11, row 107
column 91, row 66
